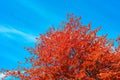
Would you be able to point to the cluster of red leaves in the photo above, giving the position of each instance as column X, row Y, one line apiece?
column 73, row 53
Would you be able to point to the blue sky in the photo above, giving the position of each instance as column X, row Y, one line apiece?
column 21, row 21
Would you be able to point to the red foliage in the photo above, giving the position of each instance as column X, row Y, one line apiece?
column 73, row 53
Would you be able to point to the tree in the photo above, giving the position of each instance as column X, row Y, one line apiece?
column 74, row 52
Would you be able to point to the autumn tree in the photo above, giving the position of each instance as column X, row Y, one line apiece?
column 74, row 52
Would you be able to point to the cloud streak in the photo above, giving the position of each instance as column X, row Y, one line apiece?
column 10, row 32
column 2, row 75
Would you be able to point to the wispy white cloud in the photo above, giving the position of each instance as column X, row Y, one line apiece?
column 2, row 75
column 10, row 32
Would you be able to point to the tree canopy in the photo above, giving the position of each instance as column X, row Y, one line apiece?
column 74, row 52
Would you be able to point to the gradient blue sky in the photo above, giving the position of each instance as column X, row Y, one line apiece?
column 21, row 21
